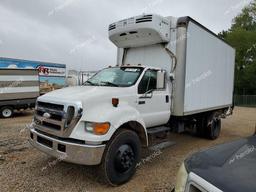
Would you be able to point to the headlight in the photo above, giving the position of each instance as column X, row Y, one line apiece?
column 181, row 179
column 97, row 128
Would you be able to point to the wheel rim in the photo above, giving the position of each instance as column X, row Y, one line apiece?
column 125, row 158
column 7, row 112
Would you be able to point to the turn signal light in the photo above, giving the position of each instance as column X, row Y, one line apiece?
column 97, row 128
column 101, row 128
column 115, row 102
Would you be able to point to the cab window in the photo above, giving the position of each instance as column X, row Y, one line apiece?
column 148, row 82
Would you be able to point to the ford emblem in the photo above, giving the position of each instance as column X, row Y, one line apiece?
column 47, row 115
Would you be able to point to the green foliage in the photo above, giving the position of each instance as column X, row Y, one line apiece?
column 242, row 36
column 247, row 19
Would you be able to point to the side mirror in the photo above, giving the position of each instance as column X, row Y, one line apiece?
column 160, row 82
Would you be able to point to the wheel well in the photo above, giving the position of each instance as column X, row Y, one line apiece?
column 139, row 129
column 10, row 106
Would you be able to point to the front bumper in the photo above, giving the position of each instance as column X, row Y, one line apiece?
column 67, row 151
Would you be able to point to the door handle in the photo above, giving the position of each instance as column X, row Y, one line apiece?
column 142, row 102
column 167, row 99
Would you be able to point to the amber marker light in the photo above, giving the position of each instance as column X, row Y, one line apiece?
column 101, row 128
column 97, row 128
column 115, row 102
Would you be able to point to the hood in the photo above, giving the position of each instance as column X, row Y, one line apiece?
column 229, row 167
column 79, row 93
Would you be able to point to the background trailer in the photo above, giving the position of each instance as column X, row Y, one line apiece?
column 51, row 75
column 19, row 89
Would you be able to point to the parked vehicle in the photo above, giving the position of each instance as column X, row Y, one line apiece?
column 227, row 167
column 172, row 74
column 19, row 89
column 51, row 75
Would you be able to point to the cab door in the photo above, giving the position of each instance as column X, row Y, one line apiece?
column 153, row 104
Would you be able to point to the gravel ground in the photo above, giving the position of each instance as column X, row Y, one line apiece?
column 23, row 168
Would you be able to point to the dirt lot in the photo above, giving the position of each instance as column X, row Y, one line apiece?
column 26, row 169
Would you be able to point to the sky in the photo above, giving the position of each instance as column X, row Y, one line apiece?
column 75, row 32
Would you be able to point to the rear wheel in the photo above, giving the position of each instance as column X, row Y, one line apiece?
column 201, row 127
column 208, row 126
column 213, row 128
column 6, row 111
column 121, row 157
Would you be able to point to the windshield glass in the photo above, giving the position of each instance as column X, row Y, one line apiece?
column 116, row 77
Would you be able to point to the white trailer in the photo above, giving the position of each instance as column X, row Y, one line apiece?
column 172, row 74
column 19, row 89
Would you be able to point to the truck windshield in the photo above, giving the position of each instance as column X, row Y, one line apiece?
column 116, row 77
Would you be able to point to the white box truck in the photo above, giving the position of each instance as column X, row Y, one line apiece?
column 19, row 89
column 172, row 74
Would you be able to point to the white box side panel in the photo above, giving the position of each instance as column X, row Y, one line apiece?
column 209, row 71
column 10, row 89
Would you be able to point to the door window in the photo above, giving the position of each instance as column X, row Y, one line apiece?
column 148, row 82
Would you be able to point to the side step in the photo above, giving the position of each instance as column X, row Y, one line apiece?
column 162, row 145
column 158, row 138
column 155, row 130
column 158, row 135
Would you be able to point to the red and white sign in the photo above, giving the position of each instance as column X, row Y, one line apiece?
column 51, row 71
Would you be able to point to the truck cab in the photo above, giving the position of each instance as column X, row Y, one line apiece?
column 115, row 100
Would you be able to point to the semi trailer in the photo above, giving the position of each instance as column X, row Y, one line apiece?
column 19, row 89
column 172, row 74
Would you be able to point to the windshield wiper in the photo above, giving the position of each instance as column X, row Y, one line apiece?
column 109, row 83
column 89, row 82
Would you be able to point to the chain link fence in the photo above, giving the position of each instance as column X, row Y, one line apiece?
column 245, row 100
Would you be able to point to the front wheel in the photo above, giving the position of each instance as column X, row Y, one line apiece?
column 121, row 157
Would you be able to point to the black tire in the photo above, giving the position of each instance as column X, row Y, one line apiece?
column 201, row 125
column 6, row 112
column 213, row 128
column 121, row 157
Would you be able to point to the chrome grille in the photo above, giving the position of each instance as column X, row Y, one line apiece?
column 56, row 119
column 50, row 106
column 54, row 114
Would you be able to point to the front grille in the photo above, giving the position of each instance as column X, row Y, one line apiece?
column 56, row 119
column 50, row 106
column 49, row 115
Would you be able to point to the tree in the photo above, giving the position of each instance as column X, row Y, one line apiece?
column 242, row 36
column 247, row 19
